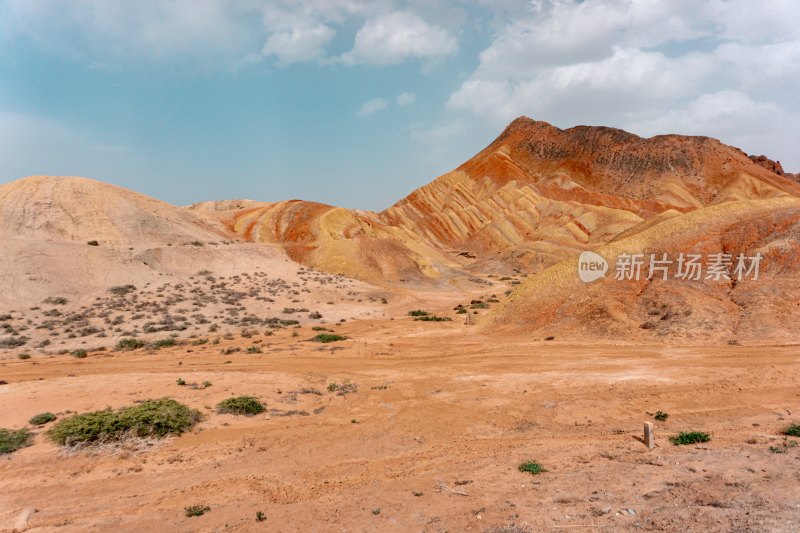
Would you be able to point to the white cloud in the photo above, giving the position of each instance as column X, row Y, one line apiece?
column 406, row 99
column 299, row 44
column 644, row 64
column 395, row 37
column 225, row 31
column 372, row 106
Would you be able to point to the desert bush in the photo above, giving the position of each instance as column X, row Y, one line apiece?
column 661, row 416
column 80, row 354
column 531, row 467
column 42, row 419
column 93, row 243
column 24, row 356
column 328, row 337
column 433, row 318
column 689, row 437
column 12, row 440
column 154, row 418
column 164, row 343
column 418, row 312
column 342, row 389
column 122, row 290
column 13, row 342
column 260, row 516
column 130, row 344
column 196, row 510
column 253, row 349
column 199, row 342
column 241, row 405
column 793, row 430
column 56, row 300
column 180, row 382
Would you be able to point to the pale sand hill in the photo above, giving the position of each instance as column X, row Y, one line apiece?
column 71, row 209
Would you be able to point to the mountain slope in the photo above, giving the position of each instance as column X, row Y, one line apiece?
column 539, row 193
column 556, row 302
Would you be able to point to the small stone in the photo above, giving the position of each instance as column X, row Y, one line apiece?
column 631, row 512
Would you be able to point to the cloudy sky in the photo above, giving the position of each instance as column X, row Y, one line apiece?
column 356, row 103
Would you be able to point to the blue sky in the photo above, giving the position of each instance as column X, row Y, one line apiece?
column 357, row 103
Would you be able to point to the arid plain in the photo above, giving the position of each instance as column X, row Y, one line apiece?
column 410, row 361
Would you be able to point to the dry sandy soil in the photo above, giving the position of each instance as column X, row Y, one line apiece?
column 431, row 439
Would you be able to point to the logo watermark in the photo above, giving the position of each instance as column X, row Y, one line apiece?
column 591, row 267
column 685, row 267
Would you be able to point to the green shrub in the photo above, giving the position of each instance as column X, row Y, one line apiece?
column 164, row 343
column 154, row 418
column 80, row 354
column 793, row 430
column 241, row 405
column 12, row 440
column 531, row 467
column 42, row 419
column 196, row 510
column 661, row 416
column 434, row 318
column 24, row 356
column 418, row 312
column 328, row 337
column 180, row 382
column 689, row 437
column 253, row 349
column 130, row 344
column 199, row 342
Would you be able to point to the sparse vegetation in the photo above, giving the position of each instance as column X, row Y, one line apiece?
column 150, row 419
column 689, row 437
column 241, row 405
column 531, row 467
column 93, row 243
column 418, row 312
column 260, row 516
column 122, row 290
column 130, row 344
column 434, row 318
column 80, row 354
column 328, row 337
column 12, row 440
column 42, row 419
column 197, row 510
column 346, row 387
column 180, row 382
column 792, row 430
column 56, row 300
column 199, row 342
column 164, row 343
column 24, row 356
column 661, row 416
column 254, row 349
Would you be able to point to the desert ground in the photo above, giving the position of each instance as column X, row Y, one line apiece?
column 427, row 435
